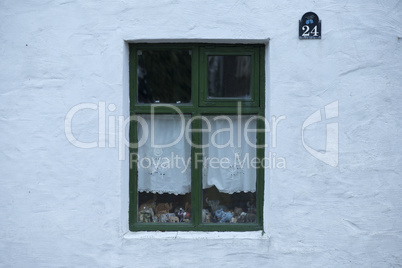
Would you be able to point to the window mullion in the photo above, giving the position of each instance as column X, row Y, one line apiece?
column 196, row 171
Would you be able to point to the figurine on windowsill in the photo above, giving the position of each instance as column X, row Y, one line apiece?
column 163, row 218
column 251, row 217
column 206, row 215
column 181, row 214
column 223, row 216
column 214, row 204
column 146, row 215
column 187, row 217
column 173, row 219
column 242, row 217
column 163, row 208
column 237, row 211
column 251, row 207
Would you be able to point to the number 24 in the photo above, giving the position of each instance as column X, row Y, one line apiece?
column 306, row 30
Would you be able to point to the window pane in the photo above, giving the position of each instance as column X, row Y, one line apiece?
column 164, row 208
column 164, row 76
column 229, row 170
column 221, row 207
column 229, row 76
column 164, row 170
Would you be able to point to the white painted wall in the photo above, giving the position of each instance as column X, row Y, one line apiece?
column 62, row 206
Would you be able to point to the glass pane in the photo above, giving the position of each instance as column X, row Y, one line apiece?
column 164, row 170
column 164, row 208
column 221, row 207
column 229, row 76
column 229, row 169
column 164, row 76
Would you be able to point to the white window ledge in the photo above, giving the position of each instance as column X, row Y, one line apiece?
column 255, row 235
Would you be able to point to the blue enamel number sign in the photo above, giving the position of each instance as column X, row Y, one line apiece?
column 310, row 26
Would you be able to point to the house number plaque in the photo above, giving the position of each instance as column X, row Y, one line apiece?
column 310, row 26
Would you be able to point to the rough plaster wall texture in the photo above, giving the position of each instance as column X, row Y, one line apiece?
column 63, row 206
column 352, row 212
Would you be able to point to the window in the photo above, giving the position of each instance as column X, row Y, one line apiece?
column 196, row 137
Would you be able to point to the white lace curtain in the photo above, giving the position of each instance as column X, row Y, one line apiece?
column 161, row 170
column 228, row 167
column 167, row 169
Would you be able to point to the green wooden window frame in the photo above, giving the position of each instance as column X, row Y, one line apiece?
column 200, row 105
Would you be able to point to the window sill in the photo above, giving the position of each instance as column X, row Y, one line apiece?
column 254, row 235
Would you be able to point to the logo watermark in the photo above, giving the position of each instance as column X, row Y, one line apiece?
column 330, row 155
column 271, row 161
column 224, row 132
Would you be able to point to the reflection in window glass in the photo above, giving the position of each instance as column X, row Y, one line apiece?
column 164, row 76
column 229, row 76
